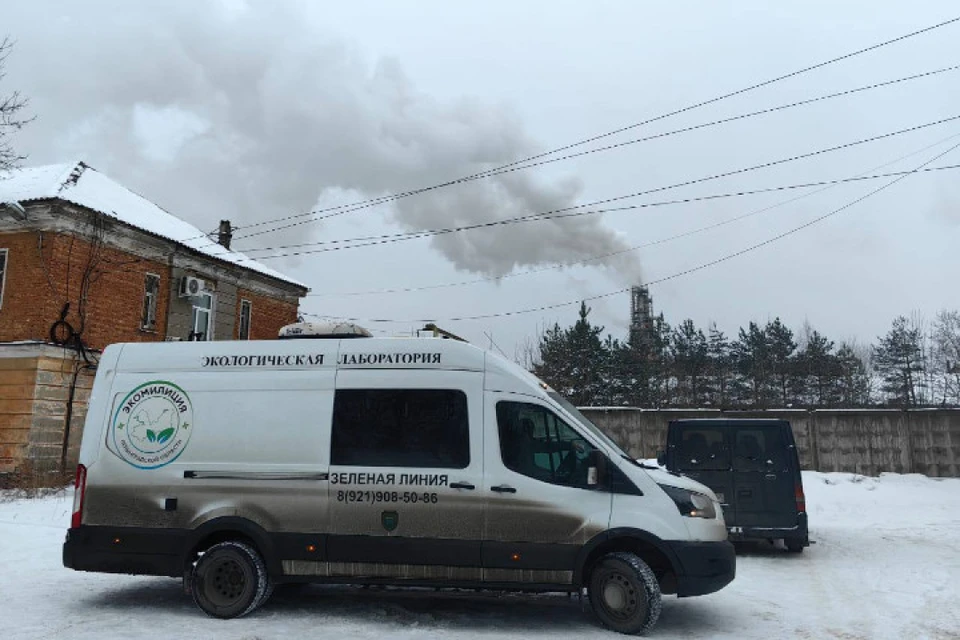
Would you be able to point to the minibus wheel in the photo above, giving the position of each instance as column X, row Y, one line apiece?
column 624, row 593
column 229, row 580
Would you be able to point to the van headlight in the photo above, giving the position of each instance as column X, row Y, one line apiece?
column 691, row 503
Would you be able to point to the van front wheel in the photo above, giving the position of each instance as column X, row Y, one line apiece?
column 229, row 580
column 624, row 593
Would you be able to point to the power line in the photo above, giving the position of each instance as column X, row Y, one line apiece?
column 662, row 116
column 619, row 145
column 685, row 272
column 412, row 235
column 826, row 184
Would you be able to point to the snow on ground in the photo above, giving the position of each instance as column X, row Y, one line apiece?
column 886, row 565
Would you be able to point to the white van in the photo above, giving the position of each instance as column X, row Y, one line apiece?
column 404, row 461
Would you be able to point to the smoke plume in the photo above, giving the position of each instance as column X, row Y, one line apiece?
column 249, row 111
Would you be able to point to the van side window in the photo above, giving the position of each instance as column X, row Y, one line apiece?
column 703, row 448
column 400, row 428
column 538, row 444
column 757, row 449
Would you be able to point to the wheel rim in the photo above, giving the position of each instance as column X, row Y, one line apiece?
column 226, row 582
column 619, row 596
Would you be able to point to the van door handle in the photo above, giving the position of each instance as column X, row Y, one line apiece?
column 462, row 485
column 503, row 488
column 771, row 476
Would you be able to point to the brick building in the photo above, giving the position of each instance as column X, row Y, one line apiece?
column 83, row 260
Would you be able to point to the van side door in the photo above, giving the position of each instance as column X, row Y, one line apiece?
column 540, row 507
column 406, row 465
column 702, row 452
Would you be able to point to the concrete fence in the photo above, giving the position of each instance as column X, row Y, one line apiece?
column 867, row 441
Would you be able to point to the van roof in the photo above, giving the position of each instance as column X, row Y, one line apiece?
column 731, row 422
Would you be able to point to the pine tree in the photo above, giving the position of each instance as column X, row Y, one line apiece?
column 818, row 369
column 572, row 360
column 852, row 386
column 553, row 362
column 780, row 347
column 899, row 361
column 751, row 353
column 719, row 365
column 688, row 346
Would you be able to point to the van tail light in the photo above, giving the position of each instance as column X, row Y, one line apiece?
column 79, row 489
column 801, row 499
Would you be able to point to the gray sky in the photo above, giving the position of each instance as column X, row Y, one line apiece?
column 247, row 111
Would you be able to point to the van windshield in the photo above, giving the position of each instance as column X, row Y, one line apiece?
column 585, row 422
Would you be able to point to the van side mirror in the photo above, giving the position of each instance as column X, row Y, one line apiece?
column 597, row 469
column 662, row 458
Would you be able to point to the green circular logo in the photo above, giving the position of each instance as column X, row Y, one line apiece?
column 152, row 425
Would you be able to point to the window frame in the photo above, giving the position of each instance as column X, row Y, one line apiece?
column 462, row 441
column 5, row 253
column 552, row 440
column 195, row 308
column 249, row 306
column 147, row 294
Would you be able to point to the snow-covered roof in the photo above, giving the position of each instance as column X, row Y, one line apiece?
column 82, row 185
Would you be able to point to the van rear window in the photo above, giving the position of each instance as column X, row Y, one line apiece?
column 400, row 428
column 702, row 448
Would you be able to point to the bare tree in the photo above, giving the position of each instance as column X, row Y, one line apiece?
column 945, row 335
column 12, row 117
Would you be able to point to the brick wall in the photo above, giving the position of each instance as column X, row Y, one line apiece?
column 45, row 270
column 35, row 382
column 267, row 316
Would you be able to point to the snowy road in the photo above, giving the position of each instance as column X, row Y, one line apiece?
column 887, row 565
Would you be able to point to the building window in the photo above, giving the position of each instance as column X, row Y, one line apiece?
column 244, row 323
column 3, row 273
column 151, row 291
column 202, row 317
column 420, row 428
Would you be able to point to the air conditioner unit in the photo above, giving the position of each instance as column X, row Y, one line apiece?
column 191, row 286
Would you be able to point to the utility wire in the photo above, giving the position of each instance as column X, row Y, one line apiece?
column 662, row 116
column 826, row 184
column 685, row 272
column 401, row 237
column 511, row 168
column 829, row 184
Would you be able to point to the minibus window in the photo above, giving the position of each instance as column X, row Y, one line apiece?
column 538, row 444
column 757, row 450
column 703, row 448
column 400, row 428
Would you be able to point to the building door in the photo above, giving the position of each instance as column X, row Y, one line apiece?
column 406, row 466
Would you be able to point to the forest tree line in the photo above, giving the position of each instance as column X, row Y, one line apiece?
column 916, row 363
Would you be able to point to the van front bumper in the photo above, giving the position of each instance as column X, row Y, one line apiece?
column 131, row 550
column 705, row 567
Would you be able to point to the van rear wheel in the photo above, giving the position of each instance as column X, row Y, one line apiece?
column 229, row 580
column 624, row 593
column 794, row 545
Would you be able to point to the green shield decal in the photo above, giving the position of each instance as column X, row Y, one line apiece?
column 390, row 520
